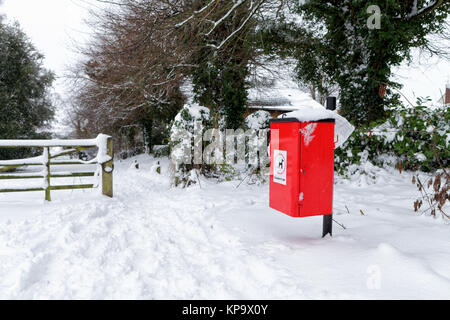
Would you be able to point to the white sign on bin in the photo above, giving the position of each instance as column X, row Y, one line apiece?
column 280, row 166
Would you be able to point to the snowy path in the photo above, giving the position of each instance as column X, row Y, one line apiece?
column 218, row 242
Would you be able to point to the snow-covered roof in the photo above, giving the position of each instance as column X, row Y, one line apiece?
column 273, row 87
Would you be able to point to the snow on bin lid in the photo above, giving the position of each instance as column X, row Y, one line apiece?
column 311, row 113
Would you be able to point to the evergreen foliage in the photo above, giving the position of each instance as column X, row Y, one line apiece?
column 360, row 59
column 25, row 105
column 219, row 76
column 411, row 139
column 222, row 88
column 334, row 43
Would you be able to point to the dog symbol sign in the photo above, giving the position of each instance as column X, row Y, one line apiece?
column 280, row 167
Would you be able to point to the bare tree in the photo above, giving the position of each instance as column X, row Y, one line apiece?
column 142, row 50
column 130, row 68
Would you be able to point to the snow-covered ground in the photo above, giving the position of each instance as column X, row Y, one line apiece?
column 216, row 241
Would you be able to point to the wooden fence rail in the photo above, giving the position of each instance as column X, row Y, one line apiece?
column 104, row 159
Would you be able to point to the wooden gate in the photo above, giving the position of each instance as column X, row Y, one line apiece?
column 104, row 161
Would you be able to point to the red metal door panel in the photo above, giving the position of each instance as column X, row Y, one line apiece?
column 316, row 168
column 285, row 143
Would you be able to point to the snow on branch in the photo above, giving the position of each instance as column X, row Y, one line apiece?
column 226, row 15
column 229, row 8
column 254, row 7
column 415, row 12
column 192, row 16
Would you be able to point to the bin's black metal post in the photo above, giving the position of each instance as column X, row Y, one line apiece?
column 331, row 103
column 328, row 219
column 327, row 225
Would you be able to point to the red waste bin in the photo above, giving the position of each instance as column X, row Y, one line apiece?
column 302, row 167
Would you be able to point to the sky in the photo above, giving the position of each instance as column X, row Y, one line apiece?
column 426, row 76
column 53, row 25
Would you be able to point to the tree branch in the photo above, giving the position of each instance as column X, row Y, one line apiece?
column 231, row 35
column 195, row 14
column 415, row 14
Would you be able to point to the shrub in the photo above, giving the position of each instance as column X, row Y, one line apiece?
column 407, row 139
column 181, row 142
column 434, row 194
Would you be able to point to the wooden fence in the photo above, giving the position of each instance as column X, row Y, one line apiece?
column 104, row 161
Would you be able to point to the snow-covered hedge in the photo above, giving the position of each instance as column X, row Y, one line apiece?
column 190, row 125
column 408, row 140
column 258, row 120
column 192, row 117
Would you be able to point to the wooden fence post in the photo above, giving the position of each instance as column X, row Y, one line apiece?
column 108, row 168
column 47, row 175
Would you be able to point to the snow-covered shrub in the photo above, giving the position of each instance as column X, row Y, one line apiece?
column 197, row 148
column 258, row 120
column 161, row 151
column 408, row 139
column 189, row 120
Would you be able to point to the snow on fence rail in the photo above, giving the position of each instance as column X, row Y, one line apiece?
column 104, row 161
